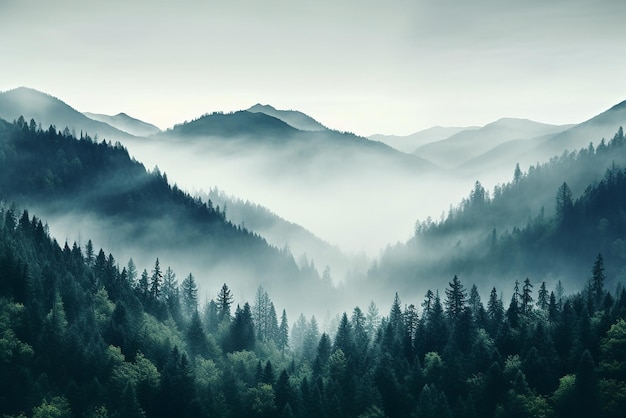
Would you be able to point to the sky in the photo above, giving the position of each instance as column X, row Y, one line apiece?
column 390, row 67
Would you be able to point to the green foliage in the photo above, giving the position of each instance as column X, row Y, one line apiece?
column 79, row 337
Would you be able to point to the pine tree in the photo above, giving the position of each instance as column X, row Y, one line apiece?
column 512, row 314
column 553, row 309
column 144, row 286
column 560, row 292
column 156, row 281
column 527, row 299
column 224, row 301
column 495, row 310
column 271, row 330
column 517, row 174
column 361, row 337
column 89, row 254
column 260, row 312
column 344, row 339
column 427, row 304
column 242, row 330
column 474, row 301
column 596, row 286
column 189, row 292
column 198, row 344
column 372, row 319
column 395, row 315
column 564, row 204
column 311, row 337
column 131, row 272
column 282, row 340
column 211, row 312
column 170, row 285
column 542, row 297
column 455, row 299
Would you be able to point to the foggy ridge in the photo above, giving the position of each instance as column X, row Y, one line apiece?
column 83, row 188
column 125, row 123
column 294, row 118
column 465, row 145
column 48, row 110
column 410, row 143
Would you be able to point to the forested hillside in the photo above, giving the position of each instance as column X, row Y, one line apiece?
column 136, row 211
column 83, row 337
column 547, row 223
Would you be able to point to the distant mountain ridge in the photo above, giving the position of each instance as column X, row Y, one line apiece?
column 547, row 224
column 48, row 110
column 465, row 145
column 527, row 151
column 294, row 118
column 126, row 123
column 235, row 124
column 410, row 143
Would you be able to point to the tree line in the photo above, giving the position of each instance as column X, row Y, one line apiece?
column 83, row 336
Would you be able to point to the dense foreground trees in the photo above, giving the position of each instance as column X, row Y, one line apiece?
column 82, row 337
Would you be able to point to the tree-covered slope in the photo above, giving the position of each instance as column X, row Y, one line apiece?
column 98, row 189
column 48, row 110
column 256, row 132
column 82, row 337
column 547, row 223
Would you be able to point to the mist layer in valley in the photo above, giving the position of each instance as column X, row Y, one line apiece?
column 343, row 194
column 359, row 195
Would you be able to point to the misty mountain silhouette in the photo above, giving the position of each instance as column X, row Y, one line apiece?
column 48, row 110
column 523, row 229
column 280, row 232
column 465, row 145
column 410, row 143
column 603, row 125
column 127, row 209
column 125, row 123
column 243, row 130
column 294, row 118
column 236, row 124
column 528, row 151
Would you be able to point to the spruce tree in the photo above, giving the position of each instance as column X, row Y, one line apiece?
column 224, row 301
column 596, row 286
column 455, row 299
column 189, row 291
column 156, row 281
column 527, row 299
column 542, row 297
column 282, row 339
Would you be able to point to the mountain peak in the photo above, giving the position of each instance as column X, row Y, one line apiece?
column 261, row 108
column 49, row 110
column 293, row 118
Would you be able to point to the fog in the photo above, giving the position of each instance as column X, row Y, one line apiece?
column 360, row 206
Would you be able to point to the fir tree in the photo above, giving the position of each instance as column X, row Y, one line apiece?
column 527, row 299
column 282, row 339
column 156, row 281
column 596, row 285
column 455, row 299
column 542, row 297
column 189, row 291
column 224, row 301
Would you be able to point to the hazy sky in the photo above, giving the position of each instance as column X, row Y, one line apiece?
column 394, row 66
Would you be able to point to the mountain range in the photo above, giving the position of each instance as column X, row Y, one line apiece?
column 411, row 143
column 294, row 118
column 48, row 110
column 125, row 123
column 467, row 144
column 288, row 161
